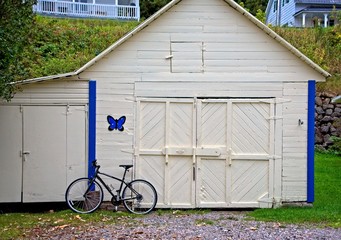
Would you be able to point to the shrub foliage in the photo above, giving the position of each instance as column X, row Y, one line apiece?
column 16, row 22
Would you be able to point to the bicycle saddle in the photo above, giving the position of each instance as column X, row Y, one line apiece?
column 126, row 166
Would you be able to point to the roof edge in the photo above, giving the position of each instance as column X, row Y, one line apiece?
column 45, row 78
column 128, row 35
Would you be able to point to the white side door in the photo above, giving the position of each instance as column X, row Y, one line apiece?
column 44, row 174
column 10, row 154
column 54, row 150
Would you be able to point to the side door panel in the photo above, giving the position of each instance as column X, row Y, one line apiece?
column 10, row 154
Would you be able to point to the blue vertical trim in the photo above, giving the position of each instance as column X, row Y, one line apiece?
column 92, row 127
column 311, row 140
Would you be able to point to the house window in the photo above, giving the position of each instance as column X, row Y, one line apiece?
column 275, row 5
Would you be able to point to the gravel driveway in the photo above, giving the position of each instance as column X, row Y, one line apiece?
column 212, row 225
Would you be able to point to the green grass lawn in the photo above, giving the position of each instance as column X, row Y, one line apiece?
column 326, row 210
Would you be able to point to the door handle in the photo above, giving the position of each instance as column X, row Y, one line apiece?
column 24, row 154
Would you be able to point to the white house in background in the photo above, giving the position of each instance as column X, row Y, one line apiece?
column 302, row 13
column 112, row 9
column 219, row 113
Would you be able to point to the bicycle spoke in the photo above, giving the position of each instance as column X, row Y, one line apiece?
column 80, row 199
column 139, row 197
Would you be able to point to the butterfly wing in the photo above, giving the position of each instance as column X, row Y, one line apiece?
column 112, row 123
column 120, row 123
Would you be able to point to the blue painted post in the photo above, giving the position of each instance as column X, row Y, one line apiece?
column 311, row 140
column 92, row 127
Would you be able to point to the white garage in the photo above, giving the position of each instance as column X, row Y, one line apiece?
column 219, row 113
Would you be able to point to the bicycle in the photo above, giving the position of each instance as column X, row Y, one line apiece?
column 85, row 195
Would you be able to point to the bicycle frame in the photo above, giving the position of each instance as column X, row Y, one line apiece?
column 118, row 191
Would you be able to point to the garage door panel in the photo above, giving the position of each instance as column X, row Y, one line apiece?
column 213, row 124
column 250, row 128
column 250, row 180
column 170, row 168
column 152, row 125
column 152, row 169
column 212, row 177
column 181, row 125
column 180, row 181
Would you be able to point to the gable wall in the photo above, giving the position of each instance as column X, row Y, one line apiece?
column 234, row 53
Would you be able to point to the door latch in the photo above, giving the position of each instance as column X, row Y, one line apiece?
column 24, row 154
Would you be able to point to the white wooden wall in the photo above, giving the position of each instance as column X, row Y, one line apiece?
column 295, row 142
column 61, row 91
column 228, row 56
column 44, row 138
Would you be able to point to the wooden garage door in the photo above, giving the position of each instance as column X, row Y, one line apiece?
column 166, row 140
column 240, row 130
column 206, row 153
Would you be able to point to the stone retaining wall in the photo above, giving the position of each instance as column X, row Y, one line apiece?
column 327, row 119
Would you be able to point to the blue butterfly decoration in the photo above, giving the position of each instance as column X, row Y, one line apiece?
column 116, row 124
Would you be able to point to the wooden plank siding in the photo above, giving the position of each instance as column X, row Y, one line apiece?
column 52, row 92
column 238, row 60
column 295, row 142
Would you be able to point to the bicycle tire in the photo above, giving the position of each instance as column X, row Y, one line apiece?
column 81, row 201
column 139, row 197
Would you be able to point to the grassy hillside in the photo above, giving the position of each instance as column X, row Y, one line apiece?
column 63, row 45
column 323, row 46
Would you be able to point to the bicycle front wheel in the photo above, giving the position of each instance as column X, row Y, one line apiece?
column 84, row 195
column 139, row 197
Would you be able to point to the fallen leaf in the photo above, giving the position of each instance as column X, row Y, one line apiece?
column 58, row 221
column 79, row 218
column 62, row 226
column 253, row 228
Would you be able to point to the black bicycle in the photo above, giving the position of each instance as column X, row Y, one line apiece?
column 85, row 195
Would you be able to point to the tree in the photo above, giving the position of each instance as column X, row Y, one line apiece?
column 149, row 7
column 254, row 5
column 261, row 15
column 16, row 24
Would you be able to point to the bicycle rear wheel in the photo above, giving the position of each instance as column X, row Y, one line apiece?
column 84, row 196
column 139, row 197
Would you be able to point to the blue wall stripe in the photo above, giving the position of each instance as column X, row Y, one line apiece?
column 311, row 140
column 92, row 127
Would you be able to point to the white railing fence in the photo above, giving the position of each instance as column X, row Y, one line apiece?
column 79, row 9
